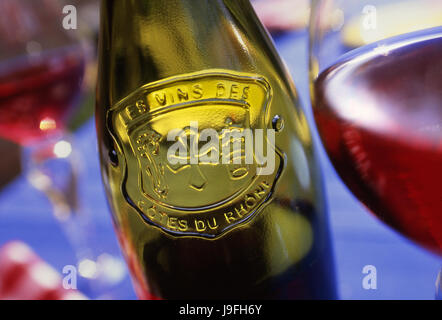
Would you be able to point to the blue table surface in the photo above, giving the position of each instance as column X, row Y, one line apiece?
column 404, row 271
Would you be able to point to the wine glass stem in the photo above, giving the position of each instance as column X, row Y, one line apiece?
column 51, row 169
column 439, row 285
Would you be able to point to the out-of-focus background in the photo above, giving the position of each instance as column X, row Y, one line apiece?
column 50, row 249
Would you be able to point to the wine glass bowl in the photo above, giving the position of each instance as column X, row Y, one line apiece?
column 41, row 71
column 37, row 94
column 376, row 84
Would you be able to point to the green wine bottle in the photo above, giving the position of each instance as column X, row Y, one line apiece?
column 206, row 156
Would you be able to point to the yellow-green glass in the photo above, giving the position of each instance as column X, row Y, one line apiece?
column 282, row 250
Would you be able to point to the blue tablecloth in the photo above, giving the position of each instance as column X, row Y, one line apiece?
column 404, row 271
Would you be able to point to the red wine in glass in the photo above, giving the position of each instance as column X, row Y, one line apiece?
column 379, row 114
column 36, row 93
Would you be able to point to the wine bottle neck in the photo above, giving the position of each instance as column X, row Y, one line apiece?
column 154, row 40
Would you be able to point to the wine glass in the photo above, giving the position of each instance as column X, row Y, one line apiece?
column 42, row 71
column 376, row 88
column 42, row 66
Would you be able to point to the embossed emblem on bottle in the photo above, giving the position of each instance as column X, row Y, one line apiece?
column 193, row 147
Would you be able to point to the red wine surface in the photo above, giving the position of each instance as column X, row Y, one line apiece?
column 379, row 115
column 36, row 93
